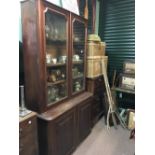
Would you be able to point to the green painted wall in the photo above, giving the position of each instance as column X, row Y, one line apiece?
column 97, row 16
column 117, row 29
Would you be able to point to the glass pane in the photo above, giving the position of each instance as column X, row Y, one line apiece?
column 56, row 56
column 78, row 56
column 56, row 93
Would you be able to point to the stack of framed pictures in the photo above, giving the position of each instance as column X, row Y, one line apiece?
column 127, row 80
column 129, row 67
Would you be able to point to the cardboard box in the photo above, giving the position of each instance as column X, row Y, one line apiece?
column 102, row 48
column 131, row 119
column 94, row 66
column 95, row 49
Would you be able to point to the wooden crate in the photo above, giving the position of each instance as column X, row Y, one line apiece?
column 95, row 49
column 94, row 66
column 105, row 58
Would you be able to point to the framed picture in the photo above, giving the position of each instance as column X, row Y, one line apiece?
column 71, row 5
column 129, row 67
column 127, row 81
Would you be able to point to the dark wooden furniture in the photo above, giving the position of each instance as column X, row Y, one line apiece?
column 54, row 54
column 97, row 87
column 125, row 98
column 61, row 129
column 28, row 137
column 54, row 44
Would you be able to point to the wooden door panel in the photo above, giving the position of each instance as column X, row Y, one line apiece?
column 84, row 120
column 65, row 133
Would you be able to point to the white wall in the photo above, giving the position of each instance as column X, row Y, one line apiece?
column 20, row 25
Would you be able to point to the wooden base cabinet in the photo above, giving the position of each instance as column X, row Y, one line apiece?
column 28, row 137
column 64, row 131
column 97, row 87
column 84, row 112
column 61, row 129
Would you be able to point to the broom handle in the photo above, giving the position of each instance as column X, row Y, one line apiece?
column 110, row 100
column 86, row 10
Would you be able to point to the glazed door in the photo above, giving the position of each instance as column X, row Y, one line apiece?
column 78, row 55
column 56, row 55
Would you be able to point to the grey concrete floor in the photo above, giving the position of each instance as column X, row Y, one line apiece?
column 106, row 142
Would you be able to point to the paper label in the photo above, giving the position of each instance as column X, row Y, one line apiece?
column 71, row 5
column 56, row 2
column 128, row 83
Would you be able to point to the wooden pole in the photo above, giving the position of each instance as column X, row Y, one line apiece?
column 86, row 10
